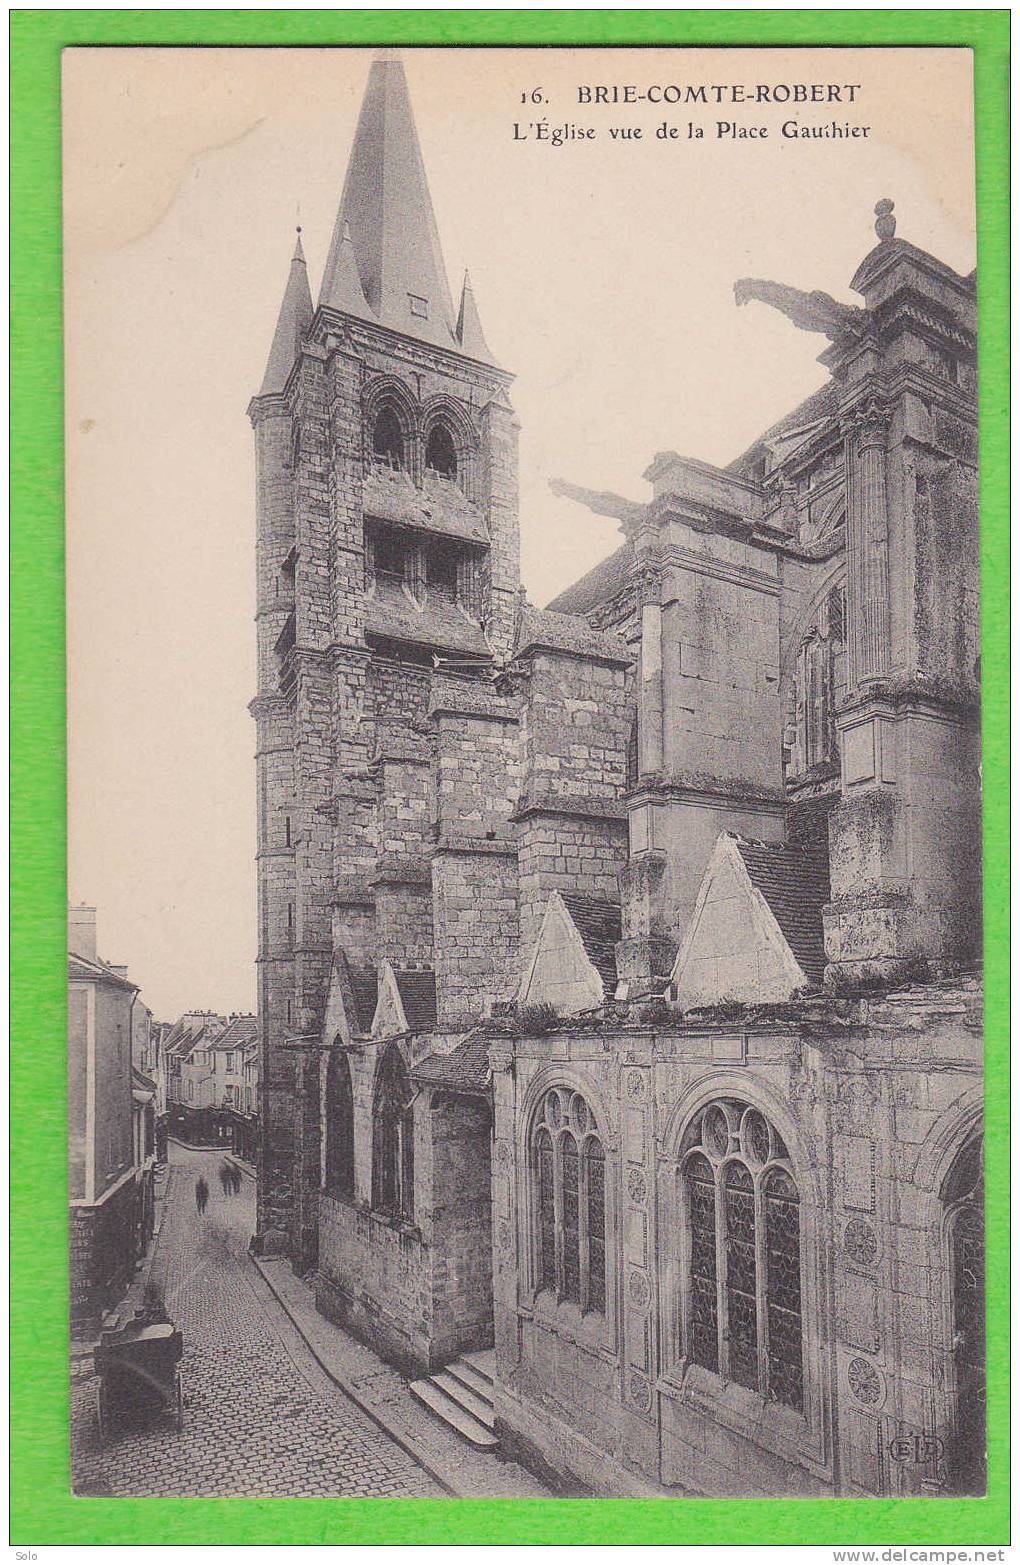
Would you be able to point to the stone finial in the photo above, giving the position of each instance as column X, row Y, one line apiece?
column 885, row 225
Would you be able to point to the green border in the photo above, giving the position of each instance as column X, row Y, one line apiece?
column 43, row 1511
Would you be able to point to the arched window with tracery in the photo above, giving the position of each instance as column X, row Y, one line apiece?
column 743, row 1313
column 388, row 438
column 393, row 1138
column 963, row 1205
column 568, row 1166
column 339, row 1125
column 440, row 452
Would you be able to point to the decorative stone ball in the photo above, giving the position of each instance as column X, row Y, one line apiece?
column 860, row 1242
column 885, row 226
column 864, row 1381
column 637, row 1187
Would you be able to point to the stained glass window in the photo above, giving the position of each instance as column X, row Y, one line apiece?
column 743, row 1302
column 393, row 1138
column 571, row 1236
column 339, row 1171
column 704, row 1309
column 568, row 1160
column 741, row 1276
column 782, row 1264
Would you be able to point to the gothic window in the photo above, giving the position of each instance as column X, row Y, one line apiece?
column 963, row 1202
column 388, row 438
column 339, row 1125
column 820, row 685
column 742, row 1287
column 440, row 453
column 393, row 1138
column 569, row 1192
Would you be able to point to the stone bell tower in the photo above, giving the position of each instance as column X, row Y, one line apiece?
column 387, row 550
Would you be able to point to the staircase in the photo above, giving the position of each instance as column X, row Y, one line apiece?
column 461, row 1395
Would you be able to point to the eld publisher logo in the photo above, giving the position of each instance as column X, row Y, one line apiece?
column 916, row 1448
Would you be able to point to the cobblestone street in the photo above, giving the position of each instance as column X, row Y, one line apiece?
column 261, row 1417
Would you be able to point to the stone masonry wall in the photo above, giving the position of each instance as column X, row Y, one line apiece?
column 872, row 1118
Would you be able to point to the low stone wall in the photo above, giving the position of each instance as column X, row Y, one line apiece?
column 374, row 1280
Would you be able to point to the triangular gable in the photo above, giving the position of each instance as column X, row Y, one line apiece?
column 561, row 973
column 389, row 1020
column 733, row 948
column 341, row 1015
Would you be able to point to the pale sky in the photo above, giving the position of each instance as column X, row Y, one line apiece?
column 603, row 273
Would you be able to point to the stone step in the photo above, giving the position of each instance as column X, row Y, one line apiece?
column 472, row 1378
column 479, row 1407
column 452, row 1414
column 483, row 1360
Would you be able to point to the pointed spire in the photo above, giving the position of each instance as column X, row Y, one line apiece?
column 341, row 286
column 294, row 320
column 469, row 326
column 386, row 211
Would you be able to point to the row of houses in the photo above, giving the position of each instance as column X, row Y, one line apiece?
column 211, row 1071
column 132, row 1082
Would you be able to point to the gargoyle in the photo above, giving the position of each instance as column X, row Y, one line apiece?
column 815, row 311
column 629, row 513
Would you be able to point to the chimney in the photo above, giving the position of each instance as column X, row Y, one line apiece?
column 81, row 931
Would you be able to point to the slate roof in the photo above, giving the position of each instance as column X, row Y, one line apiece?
column 365, row 987
column 392, row 616
column 600, row 927
column 466, row 1069
column 569, row 633
column 795, row 884
column 418, row 997
column 820, row 404
column 239, row 1031
column 597, row 586
column 91, row 967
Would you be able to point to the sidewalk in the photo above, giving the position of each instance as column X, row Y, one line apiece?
column 384, row 1395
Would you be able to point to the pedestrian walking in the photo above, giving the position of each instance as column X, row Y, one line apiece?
column 235, row 1178
column 201, row 1195
column 226, row 1179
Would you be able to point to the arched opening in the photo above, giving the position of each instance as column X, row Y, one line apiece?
column 393, row 1138
column 388, row 438
column 743, row 1310
column 569, row 1194
column 963, row 1203
column 440, row 452
column 339, row 1126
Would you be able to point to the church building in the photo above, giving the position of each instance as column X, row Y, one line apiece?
column 619, row 962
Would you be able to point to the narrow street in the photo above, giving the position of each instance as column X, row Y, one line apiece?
column 261, row 1417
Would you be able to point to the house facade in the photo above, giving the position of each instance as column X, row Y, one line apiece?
column 619, row 967
column 110, row 1158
